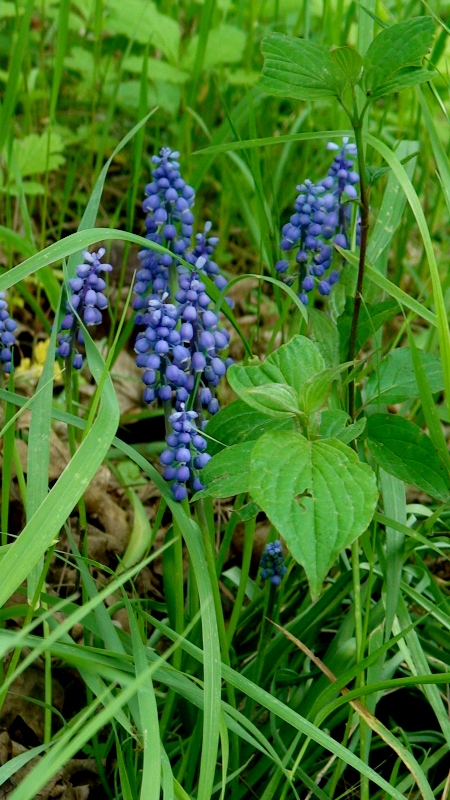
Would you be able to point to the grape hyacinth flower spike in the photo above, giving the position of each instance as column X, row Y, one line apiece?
column 7, row 338
column 322, row 217
column 169, row 222
column 88, row 300
column 272, row 563
column 185, row 455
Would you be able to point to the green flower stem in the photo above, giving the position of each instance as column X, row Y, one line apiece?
column 70, row 384
column 249, row 532
column 228, row 535
column 270, row 598
column 8, row 445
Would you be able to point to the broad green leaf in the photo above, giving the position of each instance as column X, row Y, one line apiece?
column 403, row 450
column 352, row 431
column 239, row 422
column 350, row 63
column 225, row 45
column 314, row 392
column 317, row 494
column 298, row 68
column 410, row 76
column 333, row 425
column 394, row 381
column 38, row 154
column 371, row 318
column 275, row 399
column 293, row 365
column 156, row 70
column 227, row 474
column 394, row 49
column 140, row 21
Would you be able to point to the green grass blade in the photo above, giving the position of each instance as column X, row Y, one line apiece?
column 418, row 664
column 390, row 288
column 151, row 770
column 38, row 460
column 394, row 501
column 438, row 297
column 428, row 405
column 60, row 53
column 15, row 72
column 269, row 140
column 44, row 526
column 442, row 160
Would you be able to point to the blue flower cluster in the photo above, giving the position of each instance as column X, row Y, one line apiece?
column 88, row 300
column 169, row 222
column 185, row 454
column 7, row 338
column 272, row 563
column 181, row 345
column 322, row 217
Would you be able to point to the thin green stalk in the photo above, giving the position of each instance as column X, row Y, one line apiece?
column 249, row 532
column 270, row 597
column 48, row 694
column 8, row 446
column 228, row 535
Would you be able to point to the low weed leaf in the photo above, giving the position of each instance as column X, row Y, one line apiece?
column 292, row 365
column 227, row 474
column 324, row 333
column 404, row 450
column 371, row 318
column 275, row 399
column 350, row 63
column 298, row 68
column 394, row 381
column 332, row 423
column 239, row 422
column 317, row 494
column 316, row 390
column 411, row 76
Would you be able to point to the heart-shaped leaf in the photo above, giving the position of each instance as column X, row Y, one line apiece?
column 317, row 494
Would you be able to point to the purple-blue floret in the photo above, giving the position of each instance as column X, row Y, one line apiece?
column 272, row 563
column 7, row 338
column 185, row 454
column 88, row 300
column 322, row 217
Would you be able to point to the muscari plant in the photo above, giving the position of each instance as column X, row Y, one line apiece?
column 297, row 449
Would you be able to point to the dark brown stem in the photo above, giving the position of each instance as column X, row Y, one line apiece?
column 362, row 259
